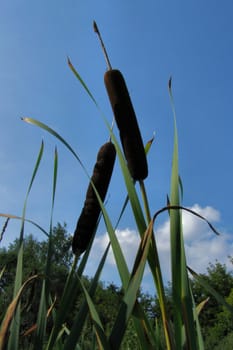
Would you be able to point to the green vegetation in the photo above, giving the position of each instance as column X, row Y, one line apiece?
column 216, row 321
column 46, row 301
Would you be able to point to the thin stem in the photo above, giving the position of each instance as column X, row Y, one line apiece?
column 145, row 201
column 110, row 138
column 96, row 30
column 153, row 259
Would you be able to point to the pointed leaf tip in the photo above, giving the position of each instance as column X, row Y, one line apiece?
column 152, row 139
column 68, row 61
column 170, row 83
column 95, row 27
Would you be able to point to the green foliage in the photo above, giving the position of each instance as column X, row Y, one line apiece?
column 34, row 259
column 65, row 310
column 107, row 299
column 222, row 281
column 217, row 321
column 226, row 343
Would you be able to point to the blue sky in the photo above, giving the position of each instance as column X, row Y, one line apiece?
column 148, row 41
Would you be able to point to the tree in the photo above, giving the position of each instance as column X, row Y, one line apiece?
column 216, row 322
column 222, row 331
column 34, row 258
column 222, row 281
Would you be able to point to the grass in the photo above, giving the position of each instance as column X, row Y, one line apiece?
column 180, row 332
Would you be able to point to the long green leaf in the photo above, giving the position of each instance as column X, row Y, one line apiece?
column 130, row 296
column 153, row 257
column 54, row 133
column 133, row 197
column 147, row 149
column 117, row 251
column 175, row 237
column 182, row 295
column 44, row 300
column 14, row 333
column 81, row 81
column 99, row 329
column 80, row 318
column 39, row 157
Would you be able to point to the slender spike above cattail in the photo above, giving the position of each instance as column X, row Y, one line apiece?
column 96, row 30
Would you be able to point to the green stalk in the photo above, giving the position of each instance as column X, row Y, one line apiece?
column 136, row 207
column 68, row 298
column 158, row 274
column 13, row 341
column 130, row 297
column 44, row 300
column 184, row 322
column 79, row 319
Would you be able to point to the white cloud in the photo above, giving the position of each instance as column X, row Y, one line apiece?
column 129, row 241
column 194, row 227
column 202, row 244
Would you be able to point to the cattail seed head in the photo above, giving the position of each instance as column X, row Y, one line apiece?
column 127, row 124
column 101, row 176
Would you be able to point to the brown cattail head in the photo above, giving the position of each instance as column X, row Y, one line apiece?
column 101, row 176
column 127, row 123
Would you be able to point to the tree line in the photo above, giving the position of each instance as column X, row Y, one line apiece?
column 216, row 321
